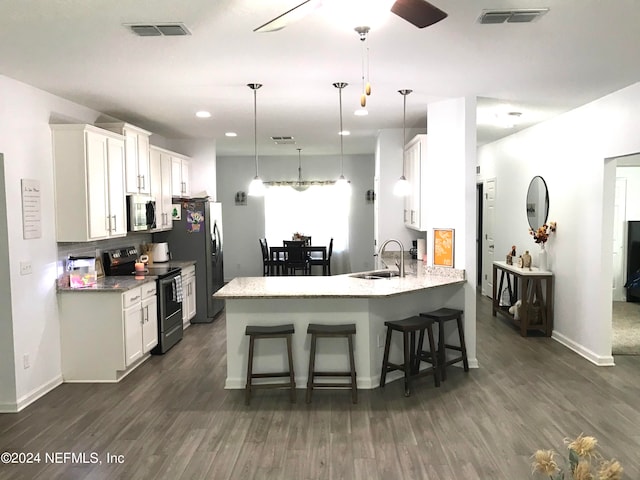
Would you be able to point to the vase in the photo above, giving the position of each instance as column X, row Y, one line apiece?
column 542, row 258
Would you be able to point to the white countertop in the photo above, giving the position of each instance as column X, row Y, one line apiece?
column 339, row 286
column 525, row 272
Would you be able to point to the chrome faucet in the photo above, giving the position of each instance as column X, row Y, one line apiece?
column 401, row 266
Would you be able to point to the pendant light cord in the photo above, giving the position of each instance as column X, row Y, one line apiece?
column 255, row 87
column 340, row 86
column 404, row 94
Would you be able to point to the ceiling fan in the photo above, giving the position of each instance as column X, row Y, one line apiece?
column 418, row 12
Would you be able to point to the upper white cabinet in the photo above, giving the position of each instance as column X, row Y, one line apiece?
column 161, row 187
column 180, row 180
column 415, row 167
column 89, row 183
column 137, row 163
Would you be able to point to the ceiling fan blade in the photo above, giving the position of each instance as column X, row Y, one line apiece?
column 290, row 16
column 418, row 12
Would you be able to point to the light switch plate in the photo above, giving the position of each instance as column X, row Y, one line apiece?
column 25, row 268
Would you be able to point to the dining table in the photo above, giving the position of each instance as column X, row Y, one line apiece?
column 312, row 252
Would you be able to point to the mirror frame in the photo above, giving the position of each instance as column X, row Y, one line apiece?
column 535, row 181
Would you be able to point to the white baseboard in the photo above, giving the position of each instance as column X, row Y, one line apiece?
column 31, row 397
column 599, row 360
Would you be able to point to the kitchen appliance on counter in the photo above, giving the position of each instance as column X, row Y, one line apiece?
column 198, row 236
column 122, row 261
column 160, row 252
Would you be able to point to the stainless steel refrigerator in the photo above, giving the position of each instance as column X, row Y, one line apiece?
column 197, row 235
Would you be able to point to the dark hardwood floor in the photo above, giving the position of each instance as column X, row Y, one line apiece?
column 172, row 419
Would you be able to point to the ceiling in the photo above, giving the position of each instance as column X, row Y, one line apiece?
column 81, row 50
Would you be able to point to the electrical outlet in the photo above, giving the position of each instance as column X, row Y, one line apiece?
column 25, row 361
column 380, row 344
column 25, row 268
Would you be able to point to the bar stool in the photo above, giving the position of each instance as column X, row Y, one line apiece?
column 261, row 332
column 411, row 366
column 331, row 331
column 443, row 315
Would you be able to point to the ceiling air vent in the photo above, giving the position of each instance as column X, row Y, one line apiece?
column 283, row 140
column 491, row 17
column 159, row 29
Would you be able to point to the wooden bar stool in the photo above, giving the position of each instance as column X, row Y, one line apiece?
column 261, row 332
column 411, row 366
column 443, row 315
column 331, row 331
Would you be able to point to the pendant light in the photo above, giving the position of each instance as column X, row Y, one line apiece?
column 366, row 85
column 342, row 182
column 402, row 188
column 300, row 186
column 256, row 187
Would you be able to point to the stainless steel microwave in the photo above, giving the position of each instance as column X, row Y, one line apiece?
column 141, row 213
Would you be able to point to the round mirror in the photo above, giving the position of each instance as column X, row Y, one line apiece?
column 537, row 202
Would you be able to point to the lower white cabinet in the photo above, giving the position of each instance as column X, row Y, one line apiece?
column 103, row 334
column 188, row 294
column 140, row 321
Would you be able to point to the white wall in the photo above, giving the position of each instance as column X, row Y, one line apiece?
column 632, row 175
column 243, row 225
column 25, row 140
column 571, row 152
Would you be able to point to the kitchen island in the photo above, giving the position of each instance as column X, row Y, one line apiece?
column 367, row 302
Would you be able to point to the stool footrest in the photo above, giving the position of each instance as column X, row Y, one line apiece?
column 271, row 385
column 331, row 385
column 268, row 375
column 332, row 374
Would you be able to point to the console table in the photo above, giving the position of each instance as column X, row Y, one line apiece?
column 536, row 294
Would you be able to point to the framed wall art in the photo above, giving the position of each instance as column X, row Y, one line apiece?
column 443, row 247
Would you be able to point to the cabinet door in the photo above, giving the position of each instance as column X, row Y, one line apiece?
column 185, row 172
column 165, row 195
column 133, row 334
column 117, row 203
column 131, row 168
column 144, row 177
column 149, row 324
column 97, row 185
column 176, row 177
column 191, row 298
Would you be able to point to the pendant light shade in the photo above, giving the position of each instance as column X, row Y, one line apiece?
column 256, row 187
column 402, row 188
column 342, row 182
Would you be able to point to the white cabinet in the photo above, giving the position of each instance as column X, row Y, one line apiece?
column 89, row 183
column 415, row 165
column 140, row 321
column 137, row 165
column 161, row 187
column 104, row 335
column 189, row 294
column 180, row 180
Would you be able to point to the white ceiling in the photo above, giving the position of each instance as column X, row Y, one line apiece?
column 80, row 50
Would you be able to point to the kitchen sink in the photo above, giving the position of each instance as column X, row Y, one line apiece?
column 377, row 275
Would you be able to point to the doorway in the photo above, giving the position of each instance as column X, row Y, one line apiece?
column 479, row 230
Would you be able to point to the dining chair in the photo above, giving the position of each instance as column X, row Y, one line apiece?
column 295, row 257
column 268, row 265
column 325, row 263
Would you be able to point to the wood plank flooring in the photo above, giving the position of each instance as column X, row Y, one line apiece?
column 172, row 419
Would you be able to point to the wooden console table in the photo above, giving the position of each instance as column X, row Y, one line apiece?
column 536, row 287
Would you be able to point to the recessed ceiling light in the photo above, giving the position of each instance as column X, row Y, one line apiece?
column 231, row 134
column 361, row 112
column 345, row 133
column 203, row 114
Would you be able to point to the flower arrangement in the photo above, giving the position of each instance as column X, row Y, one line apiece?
column 541, row 235
column 585, row 463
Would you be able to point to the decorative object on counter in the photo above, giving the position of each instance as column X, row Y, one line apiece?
column 583, row 462
column 422, row 249
column 510, row 255
column 526, row 260
column 443, row 247
column 241, row 199
column 540, row 236
column 82, row 271
column 99, row 268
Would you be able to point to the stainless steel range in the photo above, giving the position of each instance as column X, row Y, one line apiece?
column 122, row 261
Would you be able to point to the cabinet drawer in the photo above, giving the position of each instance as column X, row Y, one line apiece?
column 189, row 272
column 131, row 297
column 148, row 289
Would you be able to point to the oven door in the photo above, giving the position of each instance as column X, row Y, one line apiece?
column 169, row 313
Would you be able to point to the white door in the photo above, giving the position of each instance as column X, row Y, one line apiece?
column 488, row 244
column 117, row 202
column 96, row 146
column 619, row 215
column 149, row 324
column 132, row 334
